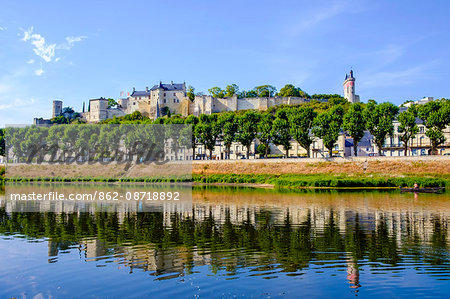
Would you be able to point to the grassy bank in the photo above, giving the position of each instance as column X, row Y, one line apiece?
column 282, row 174
column 323, row 181
column 281, row 181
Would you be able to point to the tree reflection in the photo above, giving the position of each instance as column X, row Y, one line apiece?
column 176, row 242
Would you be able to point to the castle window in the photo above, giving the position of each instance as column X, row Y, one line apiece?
column 174, row 100
column 164, row 94
column 173, row 94
column 164, row 101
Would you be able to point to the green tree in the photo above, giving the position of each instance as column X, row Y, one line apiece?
column 265, row 131
column 301, row 121
column 112, row 103
column 435, row 116
column 290, row 90
column 408, row 127
column 227, row 121
column 192, row 120
column 281, row 130
column 265, row 91
column 190, row 93
column 379, row 121
column 327, row 126
column 248, row 94
column 355, row 124
column 217, row 92
column 68, row 110
column 2, row 142
column 247, row 129
column 207, row 131
column 231, row 90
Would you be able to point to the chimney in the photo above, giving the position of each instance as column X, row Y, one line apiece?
column 134, row 89
column 171, row 82
column 146, row 89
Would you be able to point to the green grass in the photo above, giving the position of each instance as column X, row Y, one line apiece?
column 281, row 181
column 324, row 181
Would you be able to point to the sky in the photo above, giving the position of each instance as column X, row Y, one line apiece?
column 79, row 50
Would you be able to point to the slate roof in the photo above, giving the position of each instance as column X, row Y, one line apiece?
column 166, row 87
column 169, row 87
column 138, row 93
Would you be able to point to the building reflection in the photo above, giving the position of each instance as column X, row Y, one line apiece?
column 227, row 237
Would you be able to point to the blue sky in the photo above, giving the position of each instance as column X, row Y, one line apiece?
column 399, row 50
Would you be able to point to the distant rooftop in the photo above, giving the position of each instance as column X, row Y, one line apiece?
column 166, row 87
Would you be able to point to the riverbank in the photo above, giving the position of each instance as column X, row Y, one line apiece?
column 358, row 172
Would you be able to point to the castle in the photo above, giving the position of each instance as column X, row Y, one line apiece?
column 349, row 88
column 172, row 98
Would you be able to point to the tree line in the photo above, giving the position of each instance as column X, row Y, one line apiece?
column 303, row 123
column 263, row 91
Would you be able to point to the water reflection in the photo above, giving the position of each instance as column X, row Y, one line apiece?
column 256, row 233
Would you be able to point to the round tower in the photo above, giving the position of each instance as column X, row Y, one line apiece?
column 57, row 108
column 349, row 87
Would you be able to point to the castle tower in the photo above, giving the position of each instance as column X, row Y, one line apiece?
column 349, row 88
column 57, row 108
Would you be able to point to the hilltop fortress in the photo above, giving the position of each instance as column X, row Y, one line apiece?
column 172, row 98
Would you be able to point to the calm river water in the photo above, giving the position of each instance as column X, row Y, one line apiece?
column 234, row 242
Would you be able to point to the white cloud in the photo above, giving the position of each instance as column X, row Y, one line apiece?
column 17, row 102
column 47, row 51
column 2, row 28
column 31, row 61
column 39, row 72
column 41, row 48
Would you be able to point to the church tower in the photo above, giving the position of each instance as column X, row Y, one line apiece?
column 349, row 88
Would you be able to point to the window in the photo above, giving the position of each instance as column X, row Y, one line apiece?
column 174, row 100
column 421, row 130
column 164, row 101
column 164, row 94
column 173, row 94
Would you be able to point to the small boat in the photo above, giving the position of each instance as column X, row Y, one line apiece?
column 424, row 190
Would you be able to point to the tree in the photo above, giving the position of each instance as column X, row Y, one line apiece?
column 290, row 90
column 2, row 142
column 379, row 121
column 435, row 116
column 190, row 93
column 301, row 121
column 247, row 128
column 408, row 126
column 207, row 131
column 227, row 121
column 59, row 120
column 281, row 130
column 265, row 91
column 354, row 124
column 248, row 94
column 327, row 126
column 68, row 110
column 265, row 131
column 231, row 90
column 112, row 103
column 217, row 92
column 192, row 120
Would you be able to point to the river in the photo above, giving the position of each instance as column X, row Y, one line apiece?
column 231, row 241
